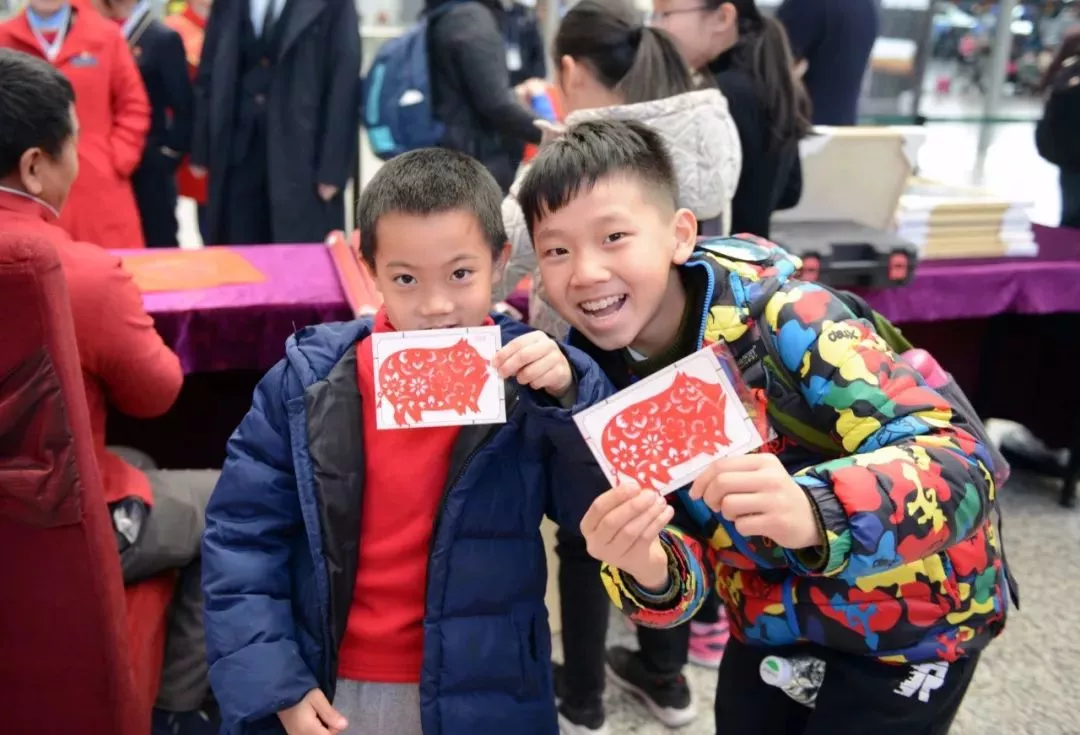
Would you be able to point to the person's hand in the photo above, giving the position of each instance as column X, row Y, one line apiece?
column 535, row 86
column 312, row 715
column 198, row 172
column 622, row 528
column 535, row 360
column 758, row 495
column 327, row 192
column 528, row 89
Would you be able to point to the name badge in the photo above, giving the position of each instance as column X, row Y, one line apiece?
column 513, row 57
column 84, row 60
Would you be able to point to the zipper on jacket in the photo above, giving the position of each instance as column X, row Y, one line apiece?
column 446, row 496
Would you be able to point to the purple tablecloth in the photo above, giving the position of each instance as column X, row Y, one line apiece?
column 975, row 289
column 245, row 327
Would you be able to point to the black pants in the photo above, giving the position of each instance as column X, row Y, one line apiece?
column 246, row 193
column 172, row 539
column 154, row 183
column 859, row 695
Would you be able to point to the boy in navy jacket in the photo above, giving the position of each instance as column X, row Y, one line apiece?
column 399, row 575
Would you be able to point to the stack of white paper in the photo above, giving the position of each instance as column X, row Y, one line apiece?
column 964, row 222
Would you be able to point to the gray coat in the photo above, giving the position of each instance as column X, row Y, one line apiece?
column 312, row 113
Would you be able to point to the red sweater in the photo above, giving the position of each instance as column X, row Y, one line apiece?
column 404, row 474
column 125, row 364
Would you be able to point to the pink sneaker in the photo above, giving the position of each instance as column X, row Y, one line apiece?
column 707, row 641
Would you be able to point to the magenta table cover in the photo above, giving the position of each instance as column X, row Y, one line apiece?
column 245, row 327
column 976, row 289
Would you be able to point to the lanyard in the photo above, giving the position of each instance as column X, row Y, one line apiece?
column 31, row 197
column 61, row 25
column 141, row 9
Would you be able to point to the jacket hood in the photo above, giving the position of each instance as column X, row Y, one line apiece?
column 702, row 139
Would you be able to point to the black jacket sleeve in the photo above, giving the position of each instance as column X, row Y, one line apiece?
column 179, row 98
column 476, row 45
column 1057, row 136
column 792, row 191
column 204, row 80
column 533, row 57
column 341, row 104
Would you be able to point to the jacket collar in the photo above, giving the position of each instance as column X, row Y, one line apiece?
column 197, row 20
column 83, row 36
column 19, row 202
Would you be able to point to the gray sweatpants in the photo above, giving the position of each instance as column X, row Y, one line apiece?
column 379, row 709
column 172, row 540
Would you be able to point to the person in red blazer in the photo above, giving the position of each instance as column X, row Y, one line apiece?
column 112, row 106
column 157, row 514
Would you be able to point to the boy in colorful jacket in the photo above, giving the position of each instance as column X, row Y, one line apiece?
column 392, row 582
column 879, row 559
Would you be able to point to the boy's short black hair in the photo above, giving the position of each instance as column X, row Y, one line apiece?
column 35, row 108
column 589, row 152
column 429, row 181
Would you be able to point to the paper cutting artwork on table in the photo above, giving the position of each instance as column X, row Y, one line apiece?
column 440, row 377
column 665, row 430
column 190, row 270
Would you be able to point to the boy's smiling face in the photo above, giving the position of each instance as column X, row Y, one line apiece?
column 606, row 260
column 434, row 271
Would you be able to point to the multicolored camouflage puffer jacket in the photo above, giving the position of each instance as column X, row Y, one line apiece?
column 912, row 570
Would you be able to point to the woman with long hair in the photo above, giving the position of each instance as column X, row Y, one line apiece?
column 748, row 56
column 1057, row 136
column 612, row 66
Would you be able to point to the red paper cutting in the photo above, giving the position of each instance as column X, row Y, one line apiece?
column 451, row 378
column 648, row 439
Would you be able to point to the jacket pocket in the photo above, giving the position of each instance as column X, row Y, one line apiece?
column 39, row 476
column 534, row 648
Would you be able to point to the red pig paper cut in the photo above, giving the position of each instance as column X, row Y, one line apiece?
column 437, row 378
column 423, row 379
column 646, row 440
column 663, row 431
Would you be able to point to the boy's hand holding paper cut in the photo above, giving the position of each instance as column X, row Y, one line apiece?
column 535, row 360
column 758, row 495
column 622, row 528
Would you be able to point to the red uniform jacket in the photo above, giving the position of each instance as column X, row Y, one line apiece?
column 125, row 364
column 192, row 30
column 114, row 117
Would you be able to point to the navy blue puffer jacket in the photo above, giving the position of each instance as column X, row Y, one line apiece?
column 282, row 528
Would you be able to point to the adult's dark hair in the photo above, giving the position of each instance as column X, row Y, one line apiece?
column 35, row 108
column 608, row 36
column 589, row 152
column 430, row 181
column 764, row 52
column 1069, row 47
